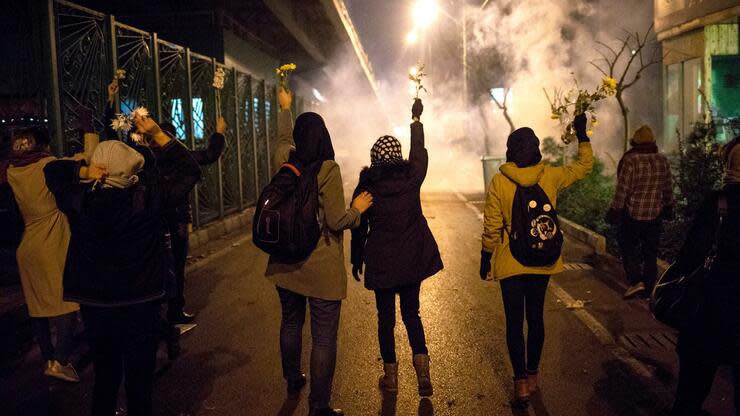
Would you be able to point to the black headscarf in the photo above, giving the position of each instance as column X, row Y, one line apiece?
column 312, row 140
column 523, row 148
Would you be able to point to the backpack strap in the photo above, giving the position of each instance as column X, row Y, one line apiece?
column 292, row 168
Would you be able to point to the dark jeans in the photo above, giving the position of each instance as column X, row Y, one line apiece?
column 180, row 246
column 123, row 341
column 385, row 300
column 524, row 294
column 694, row 383
column 324, row 327
column 639, row 242
column 65, row 326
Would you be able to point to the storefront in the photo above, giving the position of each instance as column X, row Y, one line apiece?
column 701, row 49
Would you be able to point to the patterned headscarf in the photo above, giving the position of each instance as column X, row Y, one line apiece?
column 386, row 151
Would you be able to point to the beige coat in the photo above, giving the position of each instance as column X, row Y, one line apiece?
column 43, row 249
column 322, row 275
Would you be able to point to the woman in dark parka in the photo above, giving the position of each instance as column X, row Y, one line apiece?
column 712, row 338
column 397, row 247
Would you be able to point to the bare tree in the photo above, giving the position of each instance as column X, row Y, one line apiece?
column 503, row 106
column 625, row 63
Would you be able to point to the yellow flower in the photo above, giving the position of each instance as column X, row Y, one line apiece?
column 590, row 133
column 595, row 123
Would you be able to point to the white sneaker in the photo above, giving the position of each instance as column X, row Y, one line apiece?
column 633, row 290
column 63, row 372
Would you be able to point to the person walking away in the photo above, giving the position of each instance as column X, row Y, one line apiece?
column 118, row 259
column 523, row 287
column 42, row 251
column 321, row 279
column 712, row 337
column 180, row 220
column 396, row 248
column 643, row 199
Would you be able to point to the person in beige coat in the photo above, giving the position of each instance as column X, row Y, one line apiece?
column 321, row 279
column 42, row 252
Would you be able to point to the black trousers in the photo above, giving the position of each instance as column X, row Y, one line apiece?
column 65, row 326
column 639, row 242
column 324, row 328
column 124, row 342
column 180, row 246
column 525, row 294
column 695, row 381
column 385, row 301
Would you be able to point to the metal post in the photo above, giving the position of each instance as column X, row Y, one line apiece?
column 114, row 55
column 56, row 100
column 217, row 107
column 157, row 83
column 237, row 135
column 191, row 132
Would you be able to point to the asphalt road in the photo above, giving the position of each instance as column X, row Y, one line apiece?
column 230, row 363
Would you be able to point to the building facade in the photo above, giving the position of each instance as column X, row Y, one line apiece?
column 701, row 66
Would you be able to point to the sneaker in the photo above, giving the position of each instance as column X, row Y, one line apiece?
column 633, row 290
column 63, row 372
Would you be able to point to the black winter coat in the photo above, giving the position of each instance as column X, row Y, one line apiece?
column 394, row 240
column 118, row 253
column 714, row 334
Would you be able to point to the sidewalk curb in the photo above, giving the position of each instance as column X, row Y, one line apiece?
column 590, row 238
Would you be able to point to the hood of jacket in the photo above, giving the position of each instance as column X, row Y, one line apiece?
column 528, row 176
column 386, row 179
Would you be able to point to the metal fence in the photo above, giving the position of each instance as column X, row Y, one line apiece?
column 175, row 85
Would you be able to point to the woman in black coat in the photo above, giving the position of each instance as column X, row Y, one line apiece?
column 712, row 338
column 118, row 261
column 397, row 247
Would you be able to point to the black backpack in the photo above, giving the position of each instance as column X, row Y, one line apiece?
column 286, row 219
column 535, row 239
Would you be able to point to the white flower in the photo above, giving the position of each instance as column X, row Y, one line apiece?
column 121, row 123
column 120, row 74
column 137, row 138
column 139, row 112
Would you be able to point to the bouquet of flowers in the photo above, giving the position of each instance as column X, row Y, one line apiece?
column 219, row 76
column 284, row 74
column 565, row 106
column 416, row 73
column 123, row 123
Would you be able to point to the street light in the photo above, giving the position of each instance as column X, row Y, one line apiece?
column 425, row 13
column 412, row 37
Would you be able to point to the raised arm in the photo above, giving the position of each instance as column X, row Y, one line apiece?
column 285, row 143
column 215, row 147
column 110, row 112
column 418, row 155
column 581, row 167
column 63, row 180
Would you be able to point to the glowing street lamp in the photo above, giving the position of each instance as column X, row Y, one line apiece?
column 425, row 13
column 412, row 37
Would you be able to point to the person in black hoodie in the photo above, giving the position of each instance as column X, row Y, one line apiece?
column 712, row 337
column 396, row 247
column 118, row 261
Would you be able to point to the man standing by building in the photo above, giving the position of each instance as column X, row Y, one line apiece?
column 644, row 198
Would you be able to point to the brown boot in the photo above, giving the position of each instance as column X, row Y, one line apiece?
column 532, row 383
column 421, row 365
column 521, row 392
column 389, row 380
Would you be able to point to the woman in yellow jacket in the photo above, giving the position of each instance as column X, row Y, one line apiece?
column 523, row 288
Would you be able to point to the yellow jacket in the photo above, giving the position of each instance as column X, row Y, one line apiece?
column 497, row 215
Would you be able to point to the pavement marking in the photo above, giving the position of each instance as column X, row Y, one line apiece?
column 217, row 254
column 602, row 334
column 470, row 206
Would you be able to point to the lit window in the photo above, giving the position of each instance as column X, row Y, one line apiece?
column 198, row 118
column 177, row 118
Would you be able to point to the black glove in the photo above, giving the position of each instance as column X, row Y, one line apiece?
column 579, row 124
column 417, row 109
column 485, row 264
column 613, row 216
column 357, row 271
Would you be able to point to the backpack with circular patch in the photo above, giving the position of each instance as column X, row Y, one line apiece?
column 535, row 239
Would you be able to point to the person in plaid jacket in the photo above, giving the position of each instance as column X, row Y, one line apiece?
column 644, row 198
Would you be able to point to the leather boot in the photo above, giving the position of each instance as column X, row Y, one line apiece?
column 389, row 380
column 421, row 365
column 521, row 392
